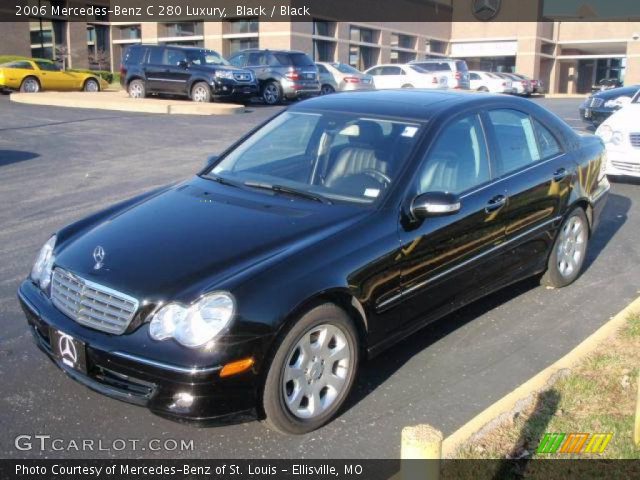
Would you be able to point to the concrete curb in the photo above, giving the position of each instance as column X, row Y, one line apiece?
column 536, row 383
column 120, row 101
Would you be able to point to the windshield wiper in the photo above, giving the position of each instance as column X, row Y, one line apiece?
column 220, row 180
column 289, row 191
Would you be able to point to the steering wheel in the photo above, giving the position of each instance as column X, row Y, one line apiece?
column 378, row 175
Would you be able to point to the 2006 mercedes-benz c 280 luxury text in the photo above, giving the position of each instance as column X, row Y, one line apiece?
column 335, row 229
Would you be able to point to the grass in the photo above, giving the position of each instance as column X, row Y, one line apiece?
column 598, row 395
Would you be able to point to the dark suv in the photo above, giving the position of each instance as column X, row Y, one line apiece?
column 280, row 73
column 201, row 75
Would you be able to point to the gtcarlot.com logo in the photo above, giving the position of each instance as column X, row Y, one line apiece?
column 48, row 443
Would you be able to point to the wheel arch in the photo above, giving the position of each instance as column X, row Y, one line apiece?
column 35, row 77
column 84, row 83
column 585, row 204
column 134, row 77
column 193, row 81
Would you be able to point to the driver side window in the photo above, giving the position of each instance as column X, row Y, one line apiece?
column 458, row 161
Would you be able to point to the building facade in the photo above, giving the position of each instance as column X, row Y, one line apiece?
column 568, row 56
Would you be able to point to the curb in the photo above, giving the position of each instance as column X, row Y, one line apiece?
column 118, row 100
column 537, row 382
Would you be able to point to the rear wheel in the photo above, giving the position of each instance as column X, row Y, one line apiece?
column 137, row 89
column 201, row 93
column 569, row 251
column 483, row 89
column 272, row 93
column 91, row 85
column 327, row 89
column 312, row 371
column 407, row 85
column 30, row 85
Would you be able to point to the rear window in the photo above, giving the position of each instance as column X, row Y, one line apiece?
column 342, row 68
column 294, row 59
column 435, row 66
column 134, row 55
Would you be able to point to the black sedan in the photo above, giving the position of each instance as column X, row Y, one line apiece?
column 336, row 229
column 601, row 105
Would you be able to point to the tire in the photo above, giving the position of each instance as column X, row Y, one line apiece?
column 569, row 251
column 30, row 85
column 91, row 85
column 201, row 93
column 483, row 89
column 287, row 407
column 407, row 85
column 272, row 93
column 327, row 90
column 137, row 89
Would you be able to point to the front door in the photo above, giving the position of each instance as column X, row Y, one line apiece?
column 446, row 260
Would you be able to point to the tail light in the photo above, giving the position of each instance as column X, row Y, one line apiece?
column 458, row 76
column 292, row 75
column 434, row 80
column 123, row 71
column 504, row 84
column 351, row 80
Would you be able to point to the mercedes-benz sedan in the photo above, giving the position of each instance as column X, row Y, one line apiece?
column 329, row 233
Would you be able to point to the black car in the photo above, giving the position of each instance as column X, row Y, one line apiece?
column 202, row 75
column 282, row 74
column 600, row 106
column 336, row 229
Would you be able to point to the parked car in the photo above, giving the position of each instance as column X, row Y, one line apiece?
column 199, row 74
column 489, row 82
column 621, row 135
column 601, row 105
column 405, row 76
column 282, row 74
column 536, row 84
column 456, row 71
column 606, row 84
column 339, row 77
column 520, row 85
column 336, row 229
column 31, row 76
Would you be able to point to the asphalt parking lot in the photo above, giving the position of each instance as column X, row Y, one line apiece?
column 58, row 164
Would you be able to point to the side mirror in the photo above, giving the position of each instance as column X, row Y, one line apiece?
column 435, row 204
column 211, row 160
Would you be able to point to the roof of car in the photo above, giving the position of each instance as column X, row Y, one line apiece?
column 417, row 104
column 249, row 50
column 618, row 91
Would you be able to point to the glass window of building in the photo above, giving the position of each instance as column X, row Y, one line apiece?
column 324, row 28
column 324, row 51
column 236, row 44
column 244, row 25
column 366, row 35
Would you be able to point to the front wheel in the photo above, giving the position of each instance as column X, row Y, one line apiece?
column 272, row 93
column 201, row 93
column 312, row 371
column 569, row 251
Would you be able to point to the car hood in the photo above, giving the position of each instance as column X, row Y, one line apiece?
column 624, row 118
column 194, row 236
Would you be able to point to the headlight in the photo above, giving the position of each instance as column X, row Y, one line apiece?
column 613, row 103
column 605, row 132
column 42, row 268
column 224, row 74
column 196, row 325
column 616, row 138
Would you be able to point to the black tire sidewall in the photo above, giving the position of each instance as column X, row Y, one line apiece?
column 552, row 276
column 277, row 414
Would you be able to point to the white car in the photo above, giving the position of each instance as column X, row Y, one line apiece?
column 621, row 135
column 490, row 82
column 520, row 85
column 405, row 76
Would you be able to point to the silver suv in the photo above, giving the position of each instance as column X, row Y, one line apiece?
column 456, row 71
column 281, row 73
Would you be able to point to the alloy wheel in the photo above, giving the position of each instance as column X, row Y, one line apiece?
column 316, row 371
column 31, row 85
column 200, row 94
column 271, row 94
column 91, row 86
column 572, row 246
column 136, row 90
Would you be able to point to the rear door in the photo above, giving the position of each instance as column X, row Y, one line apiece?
column 393, row 77
column 447, row 260
column 156, row 72
column 537, row 173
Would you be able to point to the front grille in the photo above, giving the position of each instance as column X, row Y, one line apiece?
column 596, row 102
column 626, row 166
column 242, row 77
column 634, row 138
column 91, row 304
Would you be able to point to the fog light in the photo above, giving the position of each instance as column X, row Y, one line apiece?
column 182, row 400
column 236, row 367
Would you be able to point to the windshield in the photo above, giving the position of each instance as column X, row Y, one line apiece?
column 205, row 57
column 342, row 68
column 333, row 156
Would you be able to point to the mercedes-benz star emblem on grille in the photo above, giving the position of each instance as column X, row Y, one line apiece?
column 67, row 348
column 485, row 9
column 98, row 256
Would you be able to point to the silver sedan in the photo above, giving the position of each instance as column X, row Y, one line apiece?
column 339, row 77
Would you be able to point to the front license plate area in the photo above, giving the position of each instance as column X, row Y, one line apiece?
column 68, row 350
column 587, row 113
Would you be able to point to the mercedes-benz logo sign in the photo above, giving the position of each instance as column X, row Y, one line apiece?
column 98, row 256
column 485, row 9
column 67, row 348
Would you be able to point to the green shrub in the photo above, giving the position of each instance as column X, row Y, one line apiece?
column 105, row 75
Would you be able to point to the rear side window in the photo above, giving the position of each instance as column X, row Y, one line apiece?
column 255, row 58
column 18, row 64
column 392, row 71
column 435, row 66
column 174, row 57
column 134, row 55
column 474, row 76
column 238, row 60
column 516, row 138
column 156, row 56
column 322, row 68
column 458, row 161
column 549, row 146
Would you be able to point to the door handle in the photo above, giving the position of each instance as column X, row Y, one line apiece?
column 496, row 203
column 560, row 175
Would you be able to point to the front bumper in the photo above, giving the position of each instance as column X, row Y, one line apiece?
column 232, row 89
column 594, row 116
column 300, row 89
column 623, row 161
column 132, row 377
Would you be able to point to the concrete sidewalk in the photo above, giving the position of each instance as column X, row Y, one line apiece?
column 119, row 100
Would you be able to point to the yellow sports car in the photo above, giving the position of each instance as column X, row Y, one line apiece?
column 31, row 76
